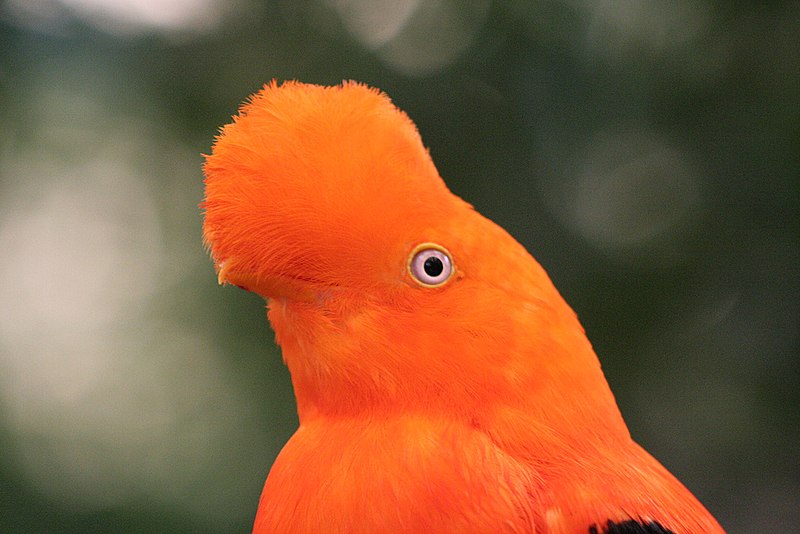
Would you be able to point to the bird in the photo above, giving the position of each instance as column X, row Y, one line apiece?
column 442, row 383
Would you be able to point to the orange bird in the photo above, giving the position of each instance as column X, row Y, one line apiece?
column 442, row 383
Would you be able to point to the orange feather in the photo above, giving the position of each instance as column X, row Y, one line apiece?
column 442, row 383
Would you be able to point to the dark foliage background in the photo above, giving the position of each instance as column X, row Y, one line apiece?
column 645, row 152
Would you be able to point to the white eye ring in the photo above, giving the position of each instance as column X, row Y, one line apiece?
column 430, row 265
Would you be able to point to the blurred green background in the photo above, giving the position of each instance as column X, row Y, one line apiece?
column 645, row 152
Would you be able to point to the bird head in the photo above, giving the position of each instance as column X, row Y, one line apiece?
column 384, row 288
column 316, row 188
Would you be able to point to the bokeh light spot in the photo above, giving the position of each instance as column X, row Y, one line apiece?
column 374, row 23
column 620, row 28
column 631, row 195
column 125, row 17
column 104, row 397
column 412, row 37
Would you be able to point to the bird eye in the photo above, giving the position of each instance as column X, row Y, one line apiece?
column 430, row 265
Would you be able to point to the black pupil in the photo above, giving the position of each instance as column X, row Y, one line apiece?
column 433, row 266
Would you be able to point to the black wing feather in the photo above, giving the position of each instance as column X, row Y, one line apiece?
column 630, row 527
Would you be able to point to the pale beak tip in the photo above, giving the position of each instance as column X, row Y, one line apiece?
column 222, row 279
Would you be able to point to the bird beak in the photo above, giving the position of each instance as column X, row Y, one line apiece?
column 228, row 275
column 222, row 273
column 267, row 286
